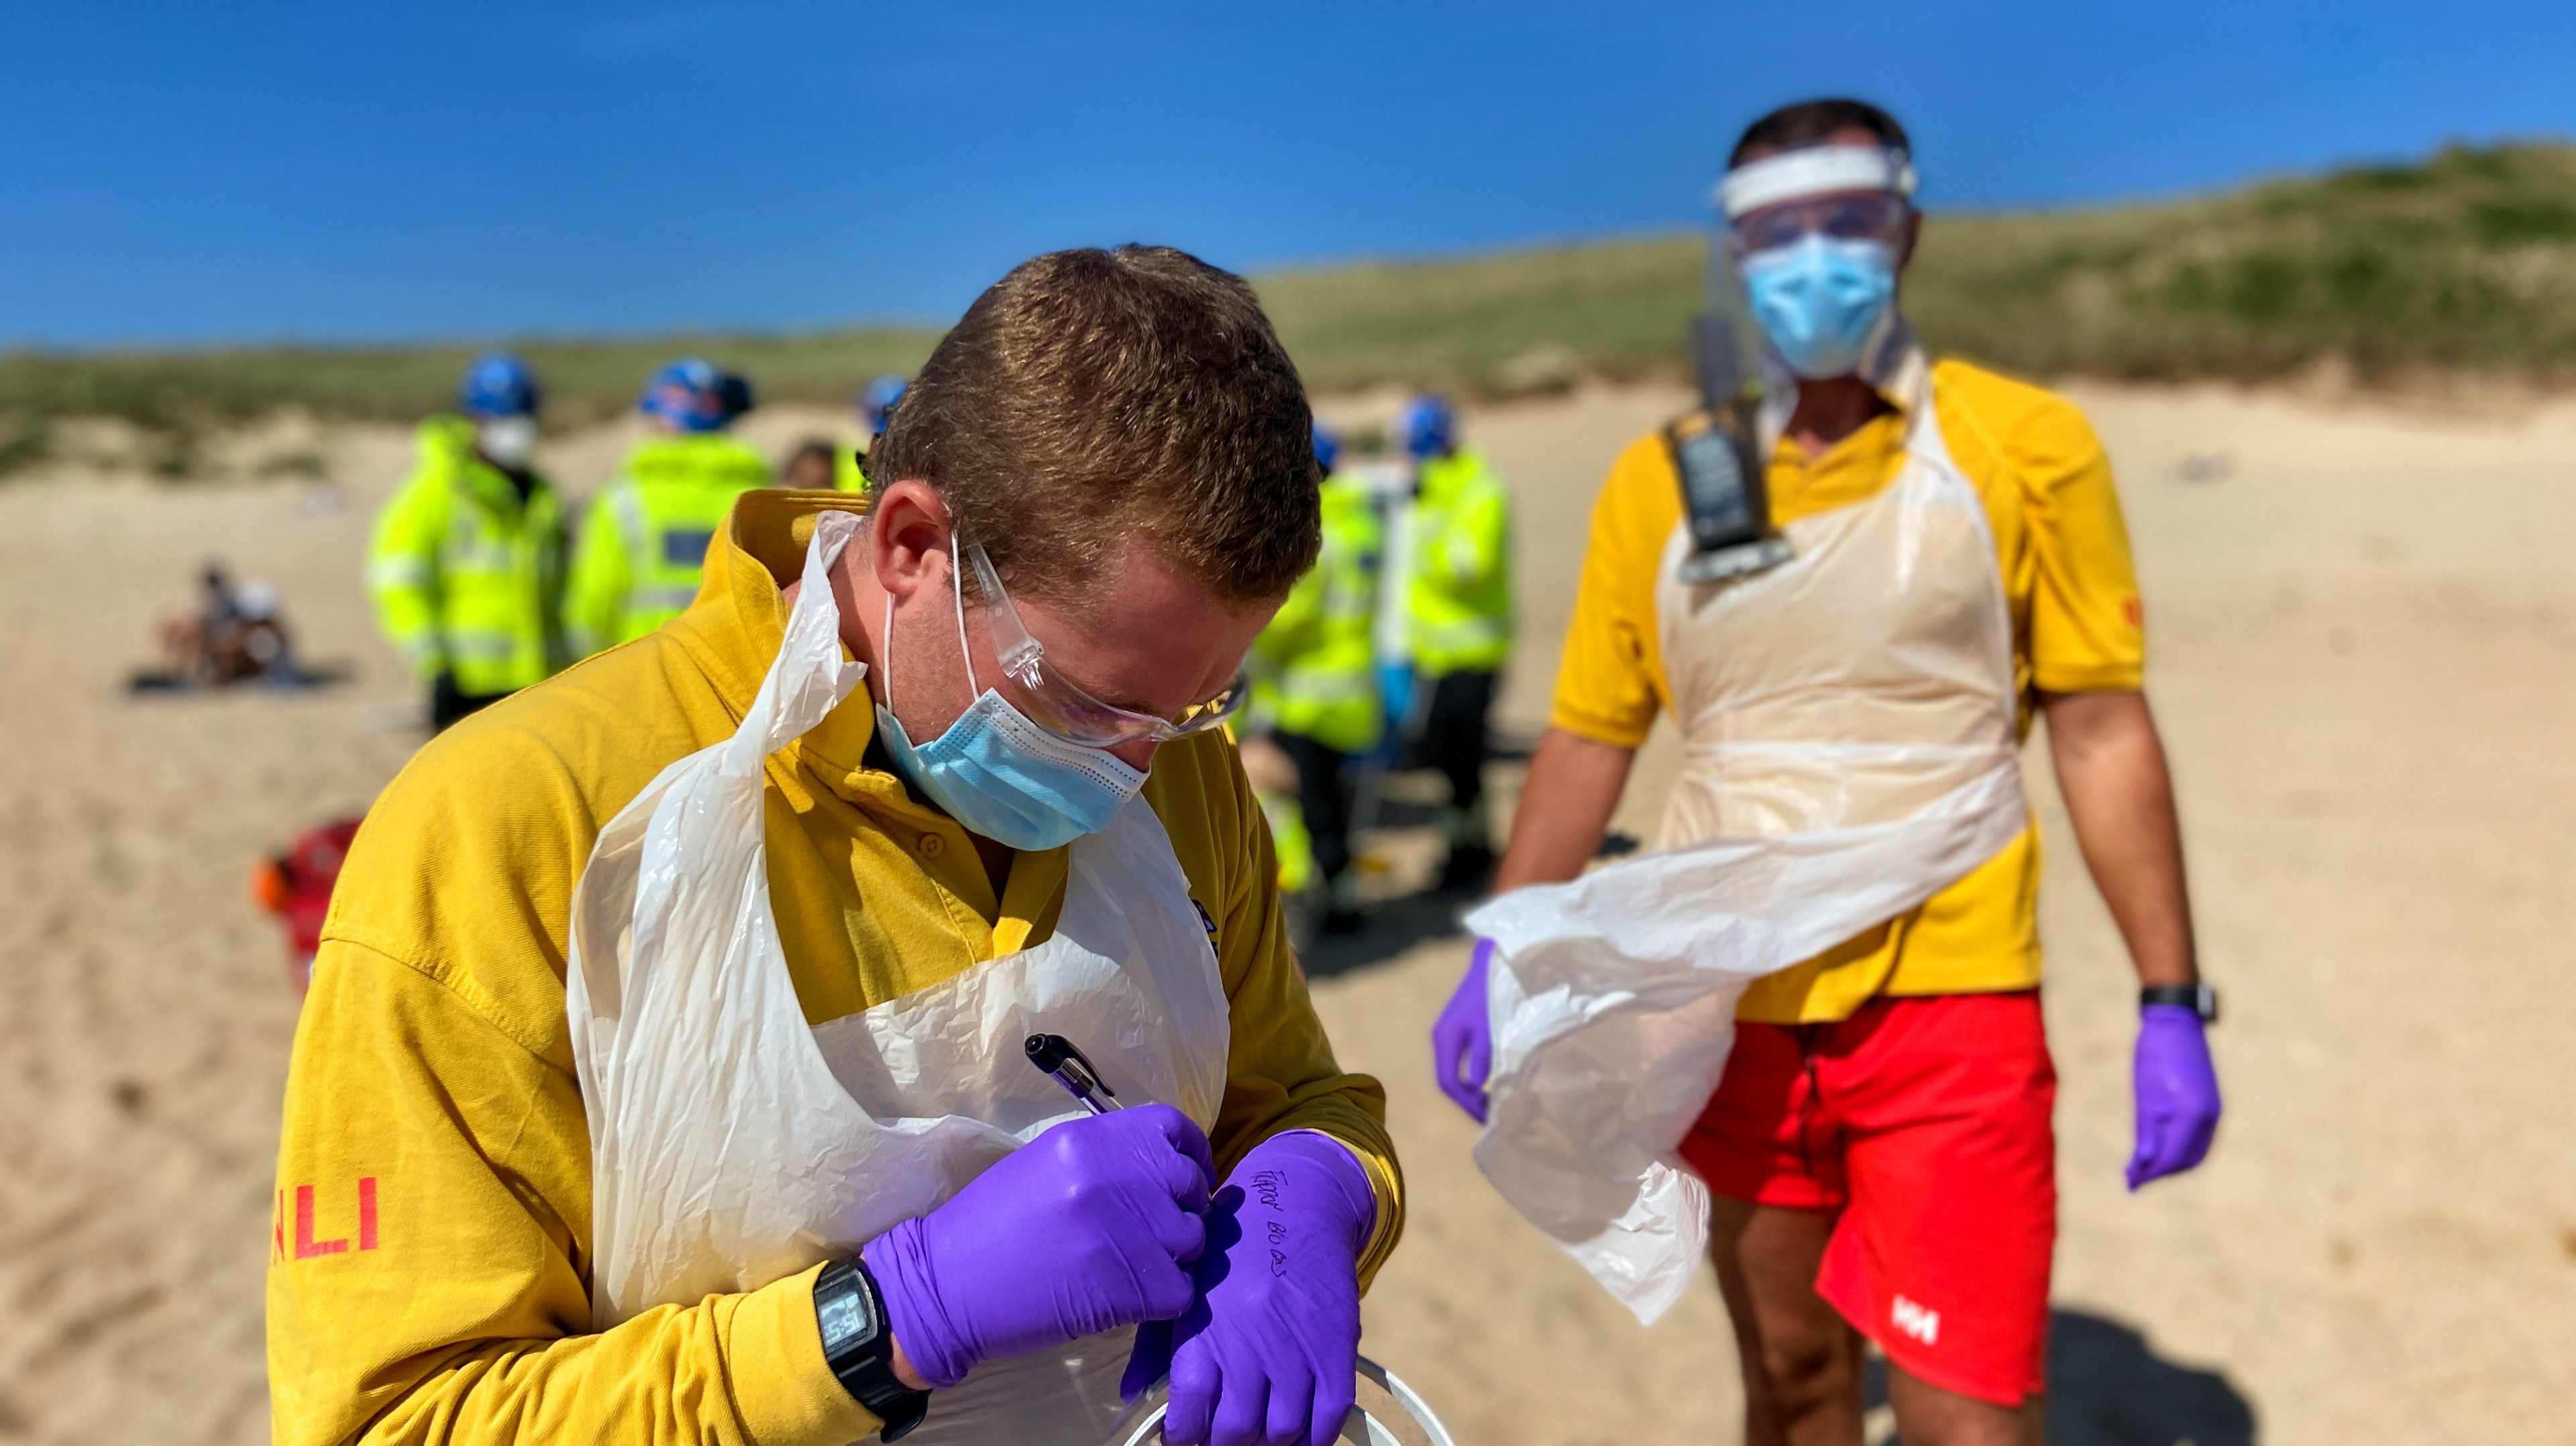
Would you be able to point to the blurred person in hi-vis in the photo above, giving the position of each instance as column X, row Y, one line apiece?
column 467, row 565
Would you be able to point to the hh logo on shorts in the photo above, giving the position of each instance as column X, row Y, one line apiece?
column 1918, row 1321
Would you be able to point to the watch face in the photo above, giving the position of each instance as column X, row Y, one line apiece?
column 845, row 1318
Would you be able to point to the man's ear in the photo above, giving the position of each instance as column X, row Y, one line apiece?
column 1913, row 237
column 910, row 540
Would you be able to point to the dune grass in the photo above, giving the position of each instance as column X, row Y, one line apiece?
column 174, row 400
column 2466, row 261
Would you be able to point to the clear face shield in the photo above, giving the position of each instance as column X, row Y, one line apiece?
column 1865, row 217
column 1805, row 260
column 1815, row 237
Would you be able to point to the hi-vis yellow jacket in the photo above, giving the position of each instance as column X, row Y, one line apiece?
column 1316, row 669
column 647, row 533
column 429, row 1262
column 1460, row 597
column 467, row 579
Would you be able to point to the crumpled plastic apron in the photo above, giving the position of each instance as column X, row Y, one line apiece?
column 1851, row 749
column 732, row 1146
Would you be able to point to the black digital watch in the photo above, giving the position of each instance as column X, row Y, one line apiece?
column 860, row 1349
column 2200, row 999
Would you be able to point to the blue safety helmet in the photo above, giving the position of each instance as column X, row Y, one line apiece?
column 689, row 394
column 1327, row 447
column 733, row 393
column 499, row 385
column 876, row 403
column 1429, row 428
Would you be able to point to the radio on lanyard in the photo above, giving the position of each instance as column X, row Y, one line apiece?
column 1717, row 453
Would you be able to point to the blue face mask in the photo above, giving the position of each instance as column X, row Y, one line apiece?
column 1821, row 301
column 1002, row 776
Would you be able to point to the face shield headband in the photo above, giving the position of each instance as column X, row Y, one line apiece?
column 1813, row 171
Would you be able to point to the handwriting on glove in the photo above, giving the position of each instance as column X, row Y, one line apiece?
column 1268, row 1355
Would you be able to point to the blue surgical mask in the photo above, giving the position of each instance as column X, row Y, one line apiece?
column 1002, row 776
column 1822, row 301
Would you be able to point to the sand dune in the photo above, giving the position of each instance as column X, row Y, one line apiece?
column 2364, row 633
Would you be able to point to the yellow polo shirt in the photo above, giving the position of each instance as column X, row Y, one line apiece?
column 2063, row 553
column 430, row 1261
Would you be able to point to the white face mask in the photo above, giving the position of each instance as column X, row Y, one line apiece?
column 510, row 441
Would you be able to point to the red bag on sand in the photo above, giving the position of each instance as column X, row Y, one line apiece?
column 296, row 887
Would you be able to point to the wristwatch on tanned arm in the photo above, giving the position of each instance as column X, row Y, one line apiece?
column 2200, row 999
column 860, row 1349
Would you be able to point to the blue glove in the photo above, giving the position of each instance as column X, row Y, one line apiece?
column 1090, row 1226
column 2177, row 1093
column 1269, row 1353
column 1462, row 1038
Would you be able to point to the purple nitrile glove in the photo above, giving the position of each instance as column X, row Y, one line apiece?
column 2177, row 1093
column 1269, row 1353
column 1462, row 1038
column 1090, row 1226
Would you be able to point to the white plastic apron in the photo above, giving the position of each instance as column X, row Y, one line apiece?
column 1849, row 723
column 732, row 1146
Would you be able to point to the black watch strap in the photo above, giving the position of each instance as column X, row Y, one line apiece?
column 860, row 1349
column 2200, row 999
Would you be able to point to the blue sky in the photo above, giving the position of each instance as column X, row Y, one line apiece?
column 261, row 170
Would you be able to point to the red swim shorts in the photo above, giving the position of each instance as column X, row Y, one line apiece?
column 1925, row 1123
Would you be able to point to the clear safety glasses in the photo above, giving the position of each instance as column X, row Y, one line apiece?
column 1849, row 217
column 1056, row 704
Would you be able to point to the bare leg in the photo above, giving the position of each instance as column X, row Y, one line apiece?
column 1926, row 1415
column 1801, row 1359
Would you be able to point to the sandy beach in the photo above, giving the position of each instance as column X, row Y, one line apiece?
column 2362, row 623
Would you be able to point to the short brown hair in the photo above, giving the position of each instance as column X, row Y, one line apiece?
column 1813, row 123
column 1091, row 396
